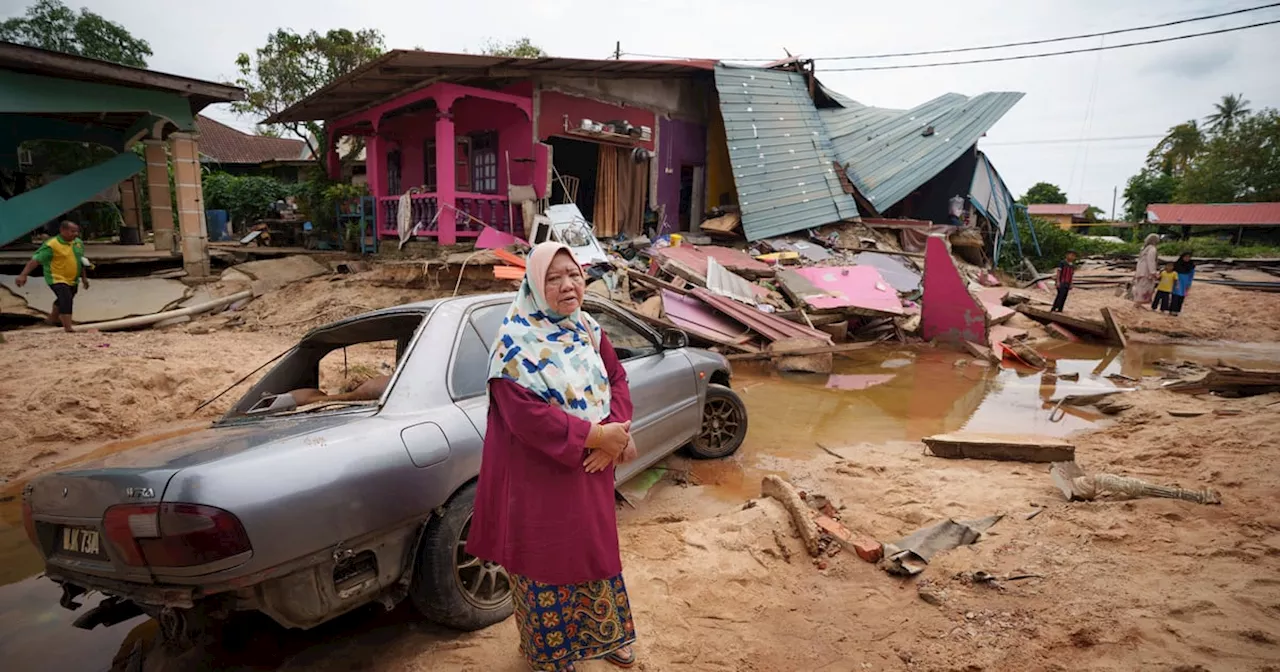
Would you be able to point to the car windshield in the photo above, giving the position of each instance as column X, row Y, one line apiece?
column 340, row 367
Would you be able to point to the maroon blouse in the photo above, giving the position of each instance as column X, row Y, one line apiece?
column 538, row 512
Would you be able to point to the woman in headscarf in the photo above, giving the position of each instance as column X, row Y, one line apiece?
column 559, row 420
column 1186, row 270
column 1148, row 273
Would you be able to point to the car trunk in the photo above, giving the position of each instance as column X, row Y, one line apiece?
column 67, row 507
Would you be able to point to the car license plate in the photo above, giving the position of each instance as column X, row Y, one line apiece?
column 80, row 541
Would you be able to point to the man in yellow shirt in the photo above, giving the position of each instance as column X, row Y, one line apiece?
column 64, row 264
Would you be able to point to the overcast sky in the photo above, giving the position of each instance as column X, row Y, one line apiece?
column 1140, row 91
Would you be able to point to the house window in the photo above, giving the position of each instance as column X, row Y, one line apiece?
column 429, row 165
column 462, row 164
column 484, row 162
column 393, row 173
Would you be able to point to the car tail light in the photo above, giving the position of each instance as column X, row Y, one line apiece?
column 174, row 535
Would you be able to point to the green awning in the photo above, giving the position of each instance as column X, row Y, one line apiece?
column 24, row 212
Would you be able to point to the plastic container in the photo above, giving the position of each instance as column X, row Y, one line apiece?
column 676, row 239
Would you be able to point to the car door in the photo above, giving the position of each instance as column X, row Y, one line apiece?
column 664, row 390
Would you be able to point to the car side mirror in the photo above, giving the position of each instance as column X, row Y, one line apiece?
column 674, row 339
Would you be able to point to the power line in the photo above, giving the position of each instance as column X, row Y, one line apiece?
column 1064, row 141
column 999, row 46
column 1055, row 53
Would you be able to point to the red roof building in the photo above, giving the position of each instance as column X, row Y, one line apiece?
column 225, row 145
column 1214, row 214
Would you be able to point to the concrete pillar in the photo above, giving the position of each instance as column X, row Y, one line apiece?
column 190, row 201
column 158, row 192
column 131, row 211
column 446, row 181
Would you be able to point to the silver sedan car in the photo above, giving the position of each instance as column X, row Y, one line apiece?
column 305, row 508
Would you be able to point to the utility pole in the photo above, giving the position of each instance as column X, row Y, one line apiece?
column 617, row 51
column 1114, row 190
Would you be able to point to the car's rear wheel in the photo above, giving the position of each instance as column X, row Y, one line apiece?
column 724, row 424
column 452, row 587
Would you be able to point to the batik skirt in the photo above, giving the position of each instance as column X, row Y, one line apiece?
column 571, row 622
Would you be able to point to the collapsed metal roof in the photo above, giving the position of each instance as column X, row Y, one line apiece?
column 889, row 153
column 782, row 158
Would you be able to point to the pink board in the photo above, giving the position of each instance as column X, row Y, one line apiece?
column 700, row 319
column 491, row 238
column 696, row 258
column 950, row 313
column 852, row 287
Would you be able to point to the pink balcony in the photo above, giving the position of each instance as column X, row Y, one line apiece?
column 471, row 213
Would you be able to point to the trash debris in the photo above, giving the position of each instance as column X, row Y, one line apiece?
column 724, row 282
column 911, row 554
column 791, row 358
column 1075, row 484
column 1012, row 447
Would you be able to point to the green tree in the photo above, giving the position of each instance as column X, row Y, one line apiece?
column 521, row 48
column 1043, row 192
column 49, row 24
column 1179, row 147
column 1147, row 187
column 1229, row 111
column 1239, row 164
column 292, row 66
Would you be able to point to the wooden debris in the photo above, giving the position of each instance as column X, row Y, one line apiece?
column 1095, row 328
column 818, row 362
column 775, row 487
column 826, row 349
column 1017, row 448
column 1062, row 332
column 981, row 352
column 725, row 225
column 1114, row 333
column 1076, row 485
column 1230, row 381
column 1025, row 353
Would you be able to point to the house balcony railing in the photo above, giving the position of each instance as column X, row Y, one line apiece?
column 471, row 212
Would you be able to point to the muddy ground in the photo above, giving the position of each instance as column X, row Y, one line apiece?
column 1116, row 585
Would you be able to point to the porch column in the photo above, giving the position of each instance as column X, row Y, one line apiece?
column 131, row 209
column 158, row 192
column 191, row 224
column 446, row 179
column 333, row 162
column 376, row 178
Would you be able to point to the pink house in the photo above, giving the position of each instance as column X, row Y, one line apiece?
column 454, row 131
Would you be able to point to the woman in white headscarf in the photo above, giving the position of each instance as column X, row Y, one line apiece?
column 1148, row 272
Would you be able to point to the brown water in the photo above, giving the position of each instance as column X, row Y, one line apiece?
column 904, row 395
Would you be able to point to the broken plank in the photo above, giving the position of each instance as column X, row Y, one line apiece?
column 1077, row 324
column 1114, row 333
column 1018, row 448
column 981, row 352
column 828, row 349
column 657, row 283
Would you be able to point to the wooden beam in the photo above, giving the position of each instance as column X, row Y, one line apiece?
column 824, row 350
column 1000, row 447
column 1114, row 332
column 1077, row 324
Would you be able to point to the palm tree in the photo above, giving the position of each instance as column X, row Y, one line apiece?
column 1177, row 149
column 1233, row 108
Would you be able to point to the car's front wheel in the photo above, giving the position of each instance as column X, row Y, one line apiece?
column 452, row 587
column 724, row 424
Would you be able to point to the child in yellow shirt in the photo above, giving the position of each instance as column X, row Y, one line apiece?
column 1164, row 290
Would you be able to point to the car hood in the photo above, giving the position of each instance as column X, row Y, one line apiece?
column 168, row 451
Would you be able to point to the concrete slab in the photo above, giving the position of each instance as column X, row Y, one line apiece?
column 270, row 274
column 106, row 298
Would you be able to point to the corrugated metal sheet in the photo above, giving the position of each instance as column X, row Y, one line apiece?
column 886, row 150
column 1215, row 214
column 781, row 155
column 989, row 192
